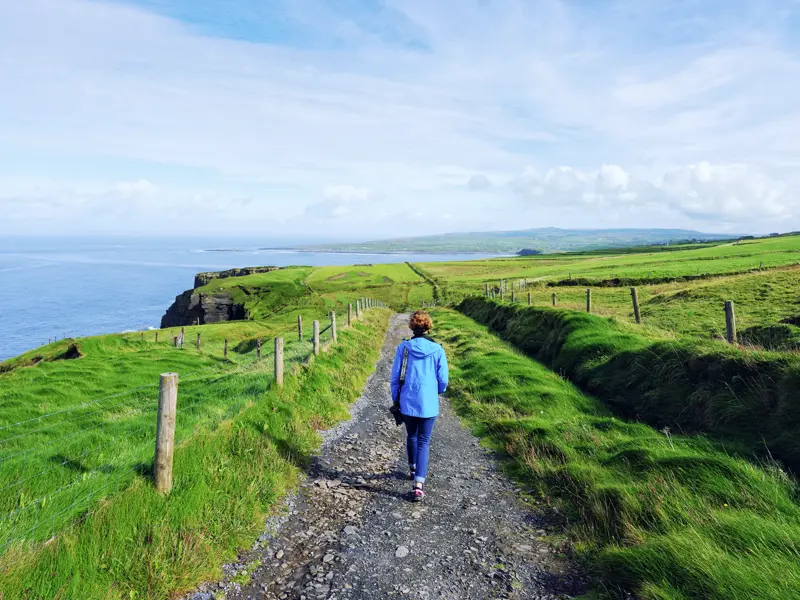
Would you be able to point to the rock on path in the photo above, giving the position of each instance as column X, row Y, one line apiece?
column 351, row 532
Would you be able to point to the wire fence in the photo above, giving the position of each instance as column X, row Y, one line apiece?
column 615, row 301
column 56, row 466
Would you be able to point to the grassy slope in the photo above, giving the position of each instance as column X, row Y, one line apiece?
column 395, row 284
column 228, row 475
column 669, row 518
column 749, row 398
column 690, row 308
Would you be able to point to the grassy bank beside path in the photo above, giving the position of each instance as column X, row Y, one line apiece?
column 667, row 517
column 747, row 398
column 228, row 477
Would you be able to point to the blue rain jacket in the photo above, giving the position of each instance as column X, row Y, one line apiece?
column 426, row 377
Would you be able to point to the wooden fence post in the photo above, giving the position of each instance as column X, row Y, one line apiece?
column 198, row 342
column 165, row 431
column 530, row 299
column 316, row 337
column 258, row 349
column 143, row 336
column 334, row 337
column 635, row 297
column 279, row 361
column 300, row 327
column 156, row 337
column 225, row 349
column 502, row 293
column 730, row 322
column 555, row 298
column 588, row 300
column 350, row 314
column 175, row 341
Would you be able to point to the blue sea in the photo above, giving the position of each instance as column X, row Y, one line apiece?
column 73, row 287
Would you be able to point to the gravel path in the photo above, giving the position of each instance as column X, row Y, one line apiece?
column 352, row 533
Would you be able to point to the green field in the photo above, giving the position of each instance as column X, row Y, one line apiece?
column 641, row 266
column 681, row 291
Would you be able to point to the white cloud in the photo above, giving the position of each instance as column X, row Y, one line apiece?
column 721, row 194
column 338, row 201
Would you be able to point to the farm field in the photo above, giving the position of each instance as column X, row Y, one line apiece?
column 761, row 277
column 644, row 265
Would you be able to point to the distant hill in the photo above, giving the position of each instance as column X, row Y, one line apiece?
column 545, row 240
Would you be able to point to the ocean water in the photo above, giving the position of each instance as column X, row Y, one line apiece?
column 74, row 287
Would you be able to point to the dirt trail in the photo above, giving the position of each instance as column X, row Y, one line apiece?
column 352, row 533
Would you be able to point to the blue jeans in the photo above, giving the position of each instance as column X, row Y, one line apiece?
column 418, row 444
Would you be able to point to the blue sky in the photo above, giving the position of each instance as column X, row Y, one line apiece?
column 375, row 118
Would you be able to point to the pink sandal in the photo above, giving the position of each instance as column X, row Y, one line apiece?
column 418, row 494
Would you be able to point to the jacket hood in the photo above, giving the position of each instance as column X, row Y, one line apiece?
column 421, row 347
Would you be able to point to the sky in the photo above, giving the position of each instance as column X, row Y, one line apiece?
column 366, row 119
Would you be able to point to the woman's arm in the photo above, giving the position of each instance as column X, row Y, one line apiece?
column 442, row 372
column 397, row 366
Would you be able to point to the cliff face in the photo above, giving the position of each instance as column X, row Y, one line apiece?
column 202, row 279
column 191, row 307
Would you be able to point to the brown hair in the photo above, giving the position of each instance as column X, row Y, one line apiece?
column 420, row 323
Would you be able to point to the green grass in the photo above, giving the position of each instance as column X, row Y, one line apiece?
column 242, row 443
column 681, row 291
column 354, row 277
column 748, row 398
column 693, row 309
column 639, row 267
column 266, row 294
column 667, row 517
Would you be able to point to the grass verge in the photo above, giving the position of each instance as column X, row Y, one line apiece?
column 748, row 398
column 667, row 517
column 139, row 544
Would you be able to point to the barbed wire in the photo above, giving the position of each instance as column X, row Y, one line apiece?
column 89, row 403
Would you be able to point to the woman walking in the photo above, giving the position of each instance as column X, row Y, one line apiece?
column 419, row 375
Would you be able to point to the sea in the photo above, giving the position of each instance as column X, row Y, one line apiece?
column 57, row 287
